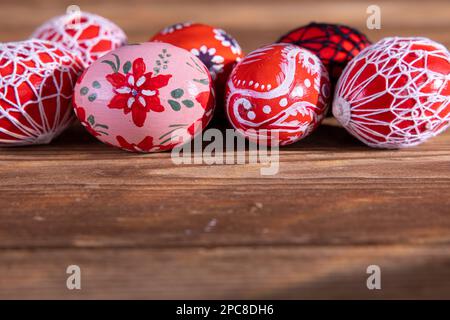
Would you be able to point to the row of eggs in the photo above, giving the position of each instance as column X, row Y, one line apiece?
column 159, row 94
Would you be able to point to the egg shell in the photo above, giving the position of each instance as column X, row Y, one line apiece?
column 145, row 98
column 86, row 34
column 334, row 44
column 279, row 89
column 395, row 93
column 36, row 85
column 218, row 50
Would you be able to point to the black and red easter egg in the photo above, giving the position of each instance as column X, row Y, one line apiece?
column 334, row 44
column 218, row 50
column 86, row 34
column 37, row 78
column 278, row 93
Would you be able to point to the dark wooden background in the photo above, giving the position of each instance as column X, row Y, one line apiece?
column 141, row 227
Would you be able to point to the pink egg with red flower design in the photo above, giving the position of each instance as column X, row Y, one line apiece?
column 278, row 94
column 145, row 98
column 88, row 35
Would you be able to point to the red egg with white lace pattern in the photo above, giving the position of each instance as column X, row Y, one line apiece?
column 88, row 35
column 395, row 93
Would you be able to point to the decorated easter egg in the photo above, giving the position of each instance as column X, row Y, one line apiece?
column 334, row 44
column 395, row 93
column 86, row 34
column 214, row 47
column 278, row 94
column 145, row 98
column 36, row 85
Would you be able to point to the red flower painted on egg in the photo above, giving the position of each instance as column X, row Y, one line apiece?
column 144, row 146
column 137, row 91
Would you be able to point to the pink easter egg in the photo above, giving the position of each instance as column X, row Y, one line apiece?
column 145, row 98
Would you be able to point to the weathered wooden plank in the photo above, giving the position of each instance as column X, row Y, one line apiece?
column 171, row 218
column 228, row 273
column 90, row 195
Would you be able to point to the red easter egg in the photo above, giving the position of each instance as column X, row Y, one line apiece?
column 36, row 84
column 279, row 89
column 214, row 47
column 395, row 93
column 86, row 34
column 334, row 44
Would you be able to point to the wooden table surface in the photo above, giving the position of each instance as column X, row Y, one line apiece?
column 141, row 227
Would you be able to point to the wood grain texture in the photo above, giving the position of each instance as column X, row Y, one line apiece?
column 220, row 273
column 142, row 227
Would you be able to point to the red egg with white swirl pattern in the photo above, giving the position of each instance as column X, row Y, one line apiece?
column 278, row 94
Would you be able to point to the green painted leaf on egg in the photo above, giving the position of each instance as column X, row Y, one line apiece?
column 92, row 97
column 104, row 126
column 202, row 81
column 84, row 91
column 127, row 67
column 112, row 65
column 178, row 125
column 177, row 93
column 175, row 105
column 188, row 103
column 117, row 62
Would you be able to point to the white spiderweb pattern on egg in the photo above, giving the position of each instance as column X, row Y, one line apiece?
column 424, row 119
column 19, row 56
